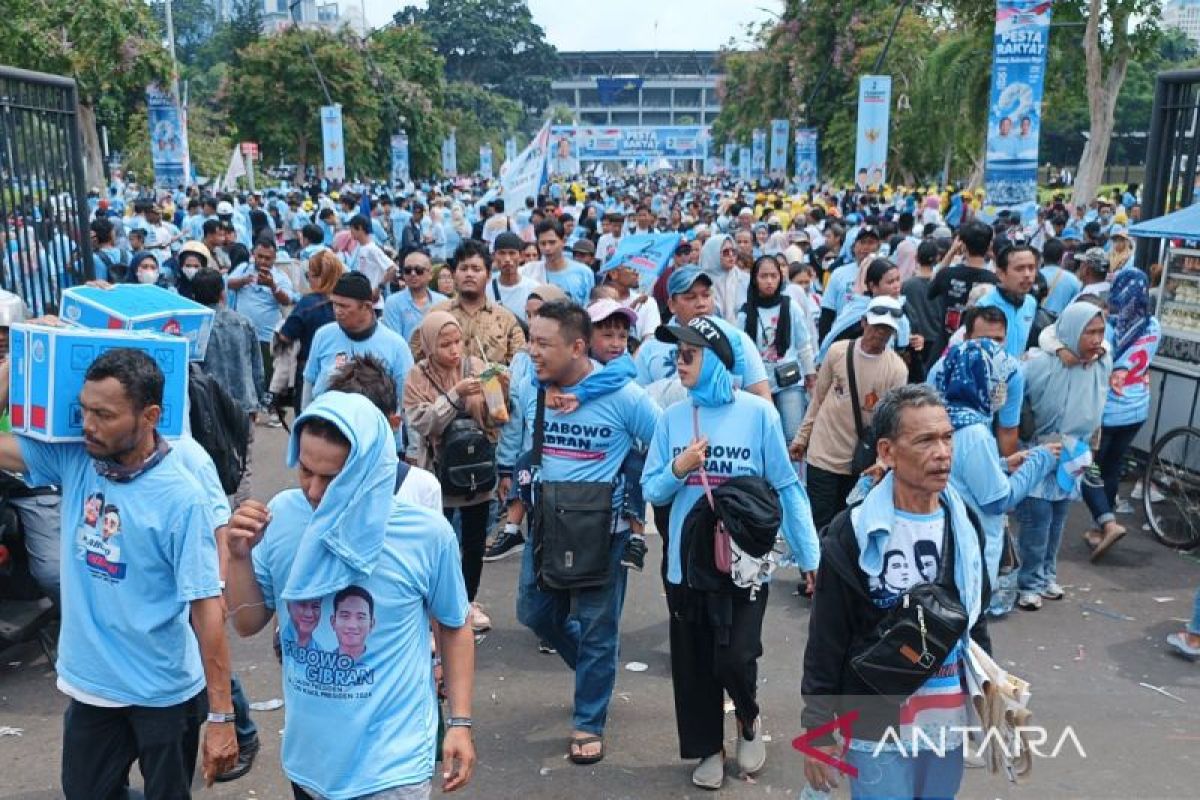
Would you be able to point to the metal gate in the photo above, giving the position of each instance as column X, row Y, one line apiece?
column 1172, row 151
column 43, row 204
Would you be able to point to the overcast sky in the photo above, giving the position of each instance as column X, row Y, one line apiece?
column 626, row 24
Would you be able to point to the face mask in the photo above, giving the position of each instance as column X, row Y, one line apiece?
column 190, row 272
column 147, row 275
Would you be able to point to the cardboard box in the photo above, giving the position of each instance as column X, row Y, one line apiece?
column 46, row 369
column 136, row 307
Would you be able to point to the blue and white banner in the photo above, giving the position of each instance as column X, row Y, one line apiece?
column 510, row 149
column 871, row 147
column 168, row 139
column 450, row 155
column 728, row 157
column 485, row 161
column 523, row 176
column 648, row 253
column 333, row 143
column 758, row 155
column 807, row 165
column 1015, row 110
column 573, row 144
column 779, row 148
column 745, row 171
column 400, row 159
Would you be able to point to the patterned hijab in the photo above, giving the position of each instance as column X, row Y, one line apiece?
column 973, row 380
column 1128, row 308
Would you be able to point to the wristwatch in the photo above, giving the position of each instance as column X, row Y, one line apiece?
column 458, row 722
column 220, row 718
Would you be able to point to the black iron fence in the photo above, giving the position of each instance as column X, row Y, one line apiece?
column 43, row 205
column 1171, row 152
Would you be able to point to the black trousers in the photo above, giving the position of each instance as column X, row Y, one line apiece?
column 101, row 744
column 662, row 521
column 703, row 672
column 474, row 536
column 827, row 493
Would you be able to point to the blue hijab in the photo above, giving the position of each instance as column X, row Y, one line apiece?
column 971, row 379
column 715, row 385
column 1068, row 400
column 1128, row 308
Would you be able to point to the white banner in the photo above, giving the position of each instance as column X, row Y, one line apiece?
column 523, row 176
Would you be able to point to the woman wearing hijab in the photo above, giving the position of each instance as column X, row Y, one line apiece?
column 1134, row 334
column 443, row 387
column 1049, row 383
column 778, row 327
column 876, row 278
column 144, row 269
column 739, row 435
column 718, row 260
column 973, row 382
column 312, row 312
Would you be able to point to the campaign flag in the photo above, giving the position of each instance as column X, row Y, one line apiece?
column 510, row 149
column 744, row 170
column 450, row 155
column 870, row 150
column 523, row 176
column 400, row 159
column 485, row 161
column 779, row 147
column 806, row 157
column 1015, row 109
column 730, row 154
column 758, row 155
column 168, row 139
column 648, row 253
column 237, row 169
column 334, row 143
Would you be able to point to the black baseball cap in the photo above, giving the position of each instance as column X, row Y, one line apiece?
column 700, row 332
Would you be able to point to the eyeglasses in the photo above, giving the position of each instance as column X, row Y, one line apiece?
column 895, row 312
column 686, row 357
column 415, row 270
column 728, row 251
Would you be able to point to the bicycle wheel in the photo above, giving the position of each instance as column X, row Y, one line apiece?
column 1174, row 470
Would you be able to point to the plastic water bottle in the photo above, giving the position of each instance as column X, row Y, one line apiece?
column 861, row 489
column 809, row 793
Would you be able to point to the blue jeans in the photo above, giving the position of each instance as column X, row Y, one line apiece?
column 790, row 404
column 895, row 775
column 586, row 636
column 1041, row 524
column 1195, row 626
column 634, row 504
column 1114, row 443
column 247, row 731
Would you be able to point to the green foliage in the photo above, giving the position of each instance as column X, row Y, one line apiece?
column 492, row 43
column 480, row 117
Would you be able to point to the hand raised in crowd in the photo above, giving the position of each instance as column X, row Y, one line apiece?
column 692, row 457
column 246, row 528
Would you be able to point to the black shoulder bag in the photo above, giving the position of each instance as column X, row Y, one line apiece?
column 572, row 524
column 864, row 449
column 912, row 641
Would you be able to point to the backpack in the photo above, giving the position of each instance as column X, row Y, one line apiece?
column 220, row 426
column 466, row 460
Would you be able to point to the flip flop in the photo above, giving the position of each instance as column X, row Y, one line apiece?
column 576, row 755
column 1107, row 542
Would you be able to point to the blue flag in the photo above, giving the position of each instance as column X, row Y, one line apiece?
column 648, row 253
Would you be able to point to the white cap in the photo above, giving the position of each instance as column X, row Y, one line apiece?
column 224, row 209
column 884, row 310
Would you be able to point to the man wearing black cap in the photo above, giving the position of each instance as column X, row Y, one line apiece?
column 841, row 281
column 355, row 331
column 508, row 286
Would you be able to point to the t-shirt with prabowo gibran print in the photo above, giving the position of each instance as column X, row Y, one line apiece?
column 357, row 676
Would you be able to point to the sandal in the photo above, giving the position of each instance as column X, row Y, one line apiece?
column 576, row 746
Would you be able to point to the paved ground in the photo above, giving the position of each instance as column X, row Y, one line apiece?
column 1085, row 657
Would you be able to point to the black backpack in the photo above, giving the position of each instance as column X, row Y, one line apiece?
column 220, row 426
column 466, row 460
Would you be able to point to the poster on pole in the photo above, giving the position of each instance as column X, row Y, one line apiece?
column 510, row 149
column 400, row 159
column 333, row 142
column 727, row 158
column 871, row 147
column 779, row 148
column 450, row 155
column 1015, row 109
column 758, row 155
column 744, row 169
column 168, row 139
column 806, row 158
column 523, row 176
column 485, row 161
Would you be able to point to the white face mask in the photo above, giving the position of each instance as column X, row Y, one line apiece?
column 190, row 272
column 147, row 275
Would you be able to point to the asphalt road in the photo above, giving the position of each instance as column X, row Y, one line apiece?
column 1085, row 657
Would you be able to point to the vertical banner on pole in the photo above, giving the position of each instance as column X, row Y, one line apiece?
column 1015, row 110
column 758, row 155
column 744, row 169
column 450, row 155
column 485, row 161
column 524, row 175
column 333, row 142
column 728, row 156
column 806, row 157
column 168, row 139
column 779, row 148
column 400, row 159
column 870, row 151
column 510, row 149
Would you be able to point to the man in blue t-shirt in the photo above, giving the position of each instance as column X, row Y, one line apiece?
column 354, row 623
column 554, row 267
column 143, row 623
column 1016, row 267
column 588, row 444
column 260, row 290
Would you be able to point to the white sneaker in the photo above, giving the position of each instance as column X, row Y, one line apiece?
column 1053, row 591
column 751, row 753
column 1030, row 601
column 480, row 622
column 710, row 772
column 1155, row 495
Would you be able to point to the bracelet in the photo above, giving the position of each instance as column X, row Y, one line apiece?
column 220, row 718
column 458, row 722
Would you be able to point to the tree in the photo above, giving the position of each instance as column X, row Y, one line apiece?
column 479, row 117
column 411, row 81
column 112, row 48
column 492, row 43
column 195, row 25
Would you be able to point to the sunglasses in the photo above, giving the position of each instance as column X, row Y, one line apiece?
column 415, row 270
column 895, row 312
column 686, row 356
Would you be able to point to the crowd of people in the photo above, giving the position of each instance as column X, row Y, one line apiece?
column 865, row 389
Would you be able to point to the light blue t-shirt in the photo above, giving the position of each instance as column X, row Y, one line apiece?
column 331, row 348
column 1020, row 320
column 257, row 303
column 357, row 675
column 134, row 556
column 576, row 280
column 840, row 287
column 655, row 361
column 401, row 314
column 976, row 473
column 199, row 463
column 745, row 437
column 1133, row 406
column 1065, row 288
column 1009, row 415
